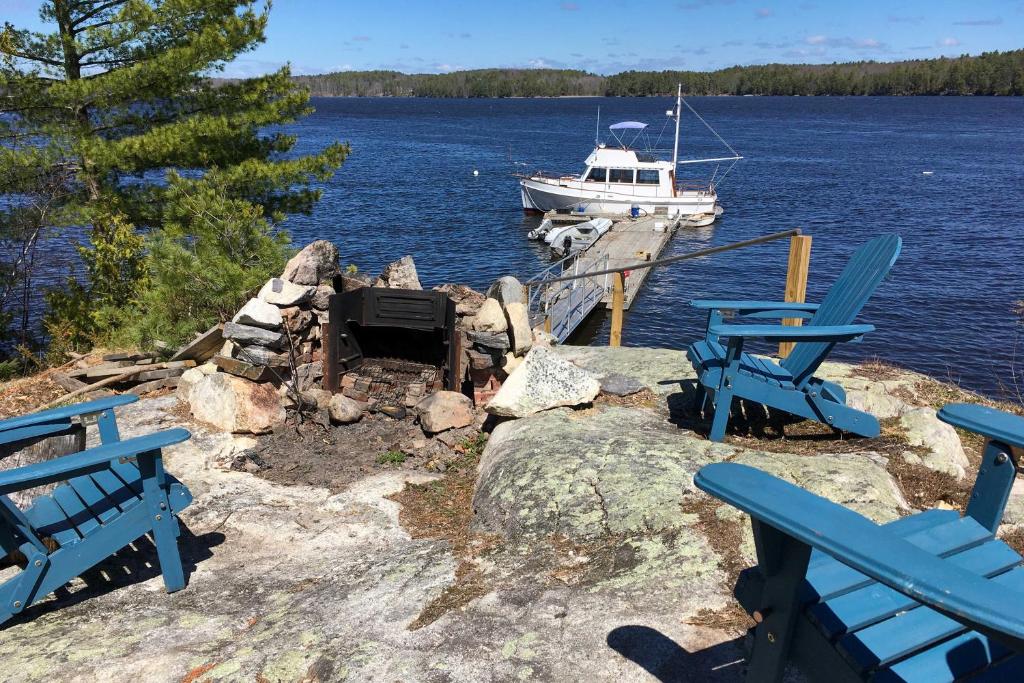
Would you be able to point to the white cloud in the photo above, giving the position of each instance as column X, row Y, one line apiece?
column 949, row 42
column 817, row 40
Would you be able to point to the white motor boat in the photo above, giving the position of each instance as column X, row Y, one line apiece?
column 700, row 220
column 620, row 179
column 541, row 230
column 580, row 237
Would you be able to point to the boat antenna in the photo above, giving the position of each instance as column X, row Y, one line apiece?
column 597, row 129
column 678, row 113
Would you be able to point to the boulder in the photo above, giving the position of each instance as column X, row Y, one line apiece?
column 507, row 290
column 543, row 338
column 663, row 371
column 188, row 380
column 321, row 398
column 467, row 300
column 355, row 280
column 308, row 374
column 487, row 341
column 322, row 296
column 241, row 368
column 234, row 404
column 247, row 335
column 541, row 382
column 297, row 319
column 344, row 410
column 444, row 410
column 479, row 360
column 400, row 275
column 258, row 313
column 620, row 385
column 946, row 454
column 317, row 262
column 490, row 317
column 519, row 330
column 260, row 355
column 283, row 293
column 510, row 362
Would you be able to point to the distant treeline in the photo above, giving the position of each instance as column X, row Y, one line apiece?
column 991, row 73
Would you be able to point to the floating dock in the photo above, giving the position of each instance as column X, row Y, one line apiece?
column 562, row 306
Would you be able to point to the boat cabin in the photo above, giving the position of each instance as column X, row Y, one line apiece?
column 611, row 169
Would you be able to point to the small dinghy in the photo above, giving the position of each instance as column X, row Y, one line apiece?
column 541, row 230
column 580, row 237
column 700, row 220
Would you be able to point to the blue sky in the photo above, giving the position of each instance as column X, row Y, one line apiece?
column 606, row 36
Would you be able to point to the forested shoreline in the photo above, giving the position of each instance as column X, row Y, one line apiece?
column 990, row 73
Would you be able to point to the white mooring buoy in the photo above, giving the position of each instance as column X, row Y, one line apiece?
column 927, row 172
column 476, row 172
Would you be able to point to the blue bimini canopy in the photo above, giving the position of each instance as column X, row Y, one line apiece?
column 627, row 125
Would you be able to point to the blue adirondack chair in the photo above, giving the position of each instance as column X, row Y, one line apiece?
column 111, row 496
column 725, row 371
column 929, row 597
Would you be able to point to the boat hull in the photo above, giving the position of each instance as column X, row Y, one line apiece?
column 540, row 196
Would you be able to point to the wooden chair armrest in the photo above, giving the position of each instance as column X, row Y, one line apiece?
column 821, row 333
column 995, row 424
column 65, row 413
column 870, row 549
column 87, row 461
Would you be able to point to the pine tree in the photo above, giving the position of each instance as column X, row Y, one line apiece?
column 114, row 114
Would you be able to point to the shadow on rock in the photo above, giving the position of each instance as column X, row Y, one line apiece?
column 668, row 662
column 135, row 563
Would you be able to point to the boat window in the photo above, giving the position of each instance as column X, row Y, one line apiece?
column 597, row 174
column 620, row 175
column 647, row 176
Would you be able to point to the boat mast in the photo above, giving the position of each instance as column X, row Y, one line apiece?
column 679, row 112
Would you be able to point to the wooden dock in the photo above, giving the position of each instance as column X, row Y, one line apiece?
column 564, row 305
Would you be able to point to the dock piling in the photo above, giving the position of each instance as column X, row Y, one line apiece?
column 796, row 281
column 618, row 301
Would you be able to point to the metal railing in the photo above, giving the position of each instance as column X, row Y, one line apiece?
column 562, row 279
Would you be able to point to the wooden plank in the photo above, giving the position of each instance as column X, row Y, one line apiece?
column 203, row 347
column 618, row 293
column 796, row 281
column 66, row 382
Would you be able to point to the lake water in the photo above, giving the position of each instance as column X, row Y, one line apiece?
column 842, row 169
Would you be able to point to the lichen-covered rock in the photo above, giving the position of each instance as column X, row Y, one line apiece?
column 258, row 313
column 490, row 317
column 488, row 341
column 507, row 290
column 541, row 382
column 444, row 410
column 945, row 452
column 661, row 370
column 519, row 330
column 400, row 275
column 587, row 477
column 858, row 481
column 284, row 293
column 344, row 410
column 317, row 262
column 235, row 404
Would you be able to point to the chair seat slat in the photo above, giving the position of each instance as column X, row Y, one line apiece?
column 874, row 602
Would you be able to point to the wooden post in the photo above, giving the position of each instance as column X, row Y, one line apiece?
column 618, row 301
column 547, row 324
column 796, row 281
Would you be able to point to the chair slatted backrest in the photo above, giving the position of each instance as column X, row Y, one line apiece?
column 865, row 271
